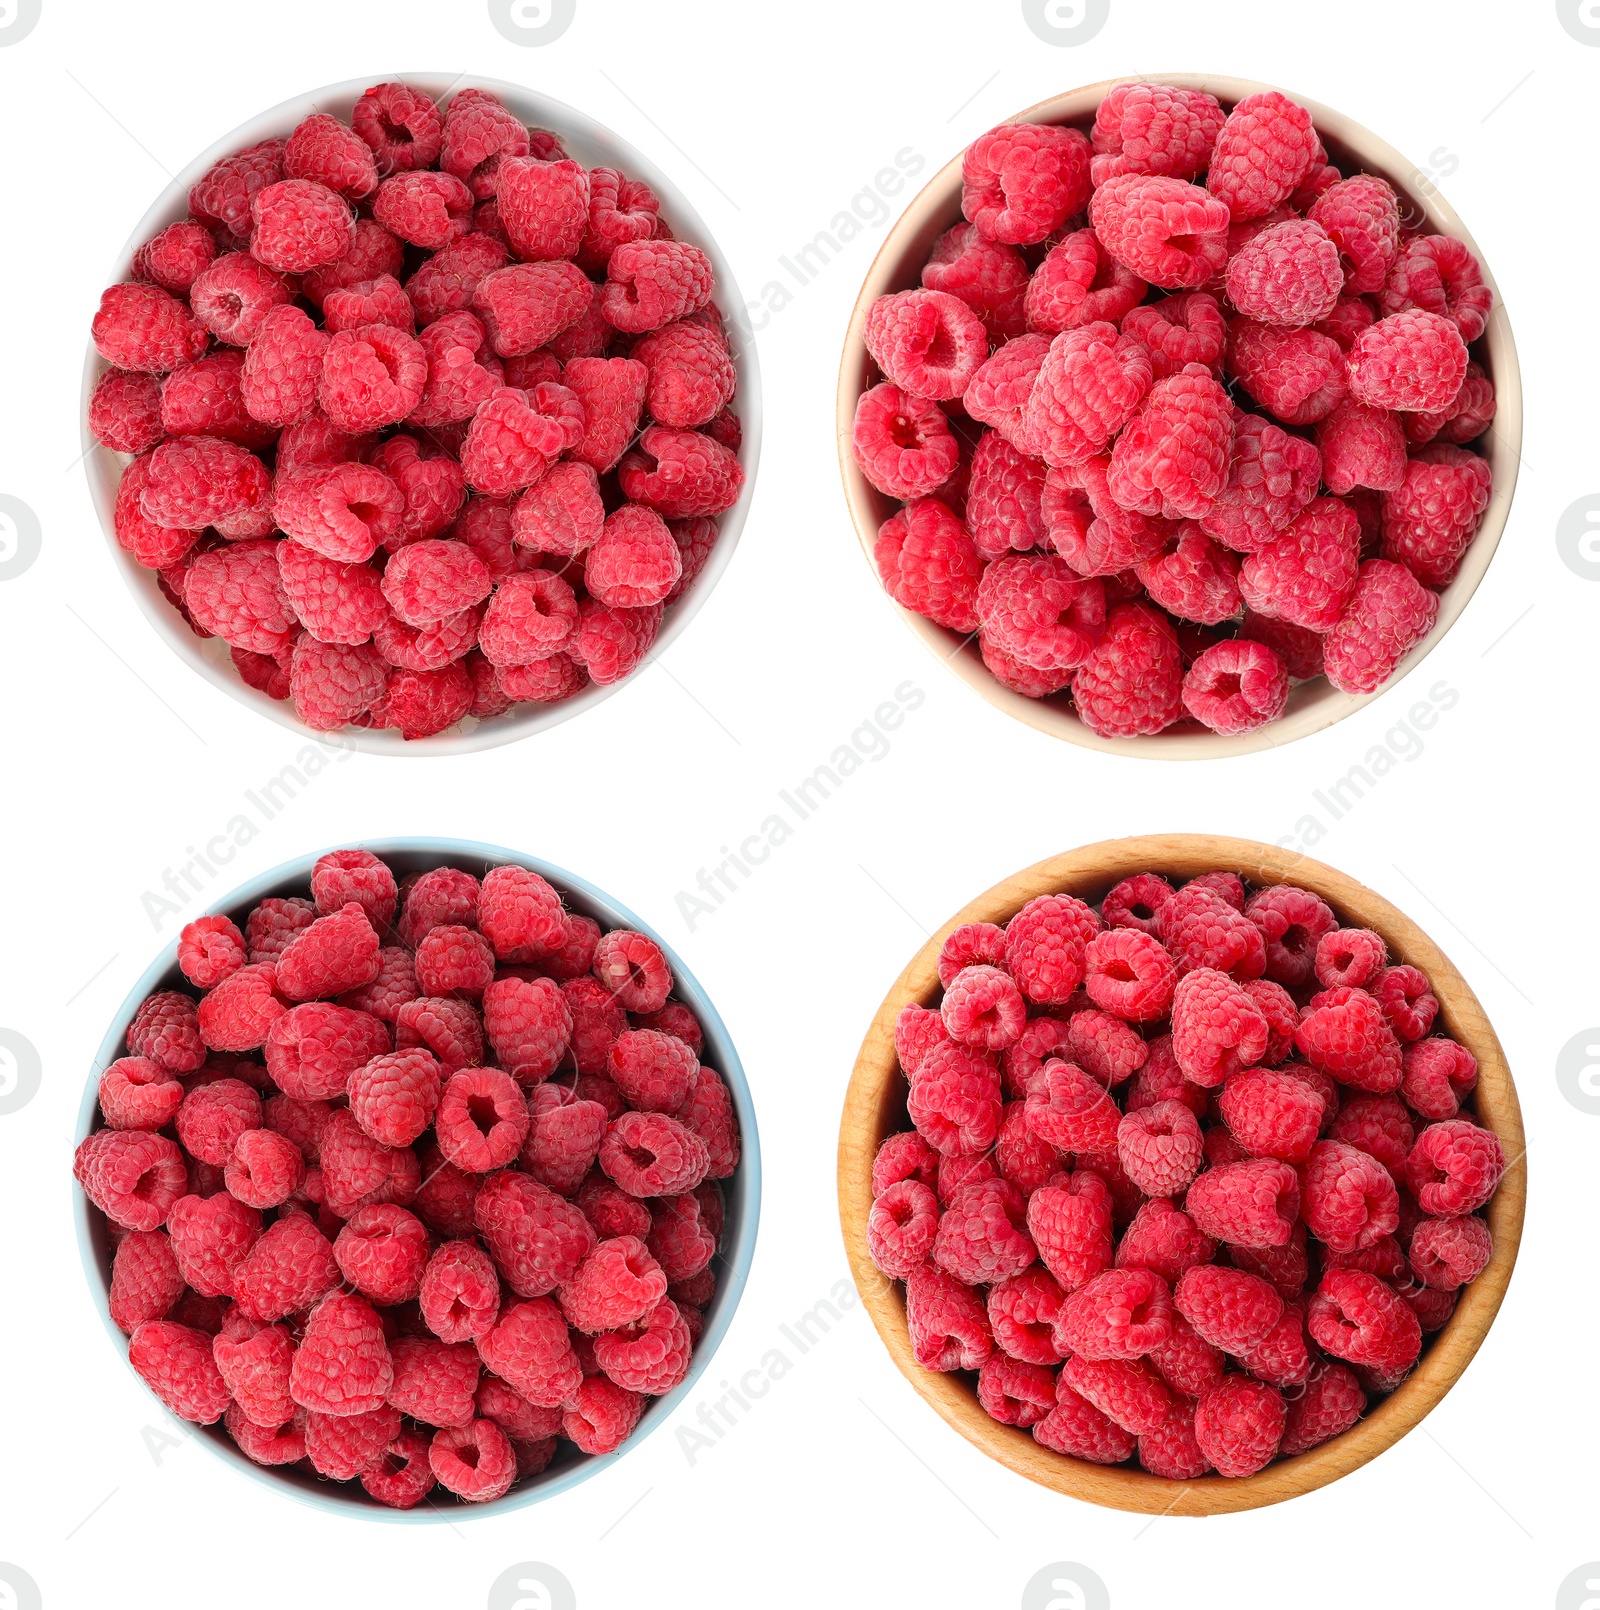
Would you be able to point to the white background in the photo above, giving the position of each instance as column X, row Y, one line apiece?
column 840, row 1486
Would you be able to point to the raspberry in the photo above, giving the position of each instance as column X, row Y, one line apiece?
column 1193, row 578
column 1436, row 1075
column 1164, row 230
column 1127, row 972
column 427, row 209
column 904, row 1156
column 393, row 1097
column 600, row 1415
column 460, row 1292
column 948, row 1325
column 1356, row 1317
column 1411, row 360
column 342, row 1365
column 1022, row 1313
column 431, row 580
column 210, row 1237
column 1407, row 1002
column 1089, row 385
column 283, row 367
column 1004, row 494
column 981, row 1238
column 992, row 279
column 634, row 562
column 1071, row 1110
column 1075, row 1427
column 1293, row 922
column 374, row 301
column 902, row 444
column 1172, row 460
column 1169, row 1449
column 529, row 1024
column 1298, row 374
column 145, row 1282
column 265, row 1169
column 1448, row 1253
column 213, row 1117
column 125, row 411
column 199, row 481
column 528, row 1347
column 973, row 944
column 650, row 283
column 1070, row 1224
column 285, row 1271
column 1331, row 1403
column 206, row 398
column 1228, row 1308
column 1015, row 1393
column 1271, row 1114
column 902, row 1227
column 1379, row 1125
column 1186, row 1361
column 233, row 297
column 434, row 1382
column 342, row 511
column 1181, row 330
column 928, row 343
column 1163, row 1238
column 1020, row 182
column 336, row 953
column 998, row 392
column 256, row 1370
column 175, row 1362
column 620, row 210
column 612, row 1211
column 277, row 1445
column 145, row 328
column 239, row 1013
column 222, row 194
column 342, row 1446
column 425, row 648
column 525, row 306
column 323, row 149
column 312, row 1050
column 927, row 563
column 299, row 224
column 1217, row 1029
column 1437, row 274
column 680, row 473
column 176, row 257
column 371, row 377
column 1432, row 513
column 1132, row 681
column 561, row 513
column 1282, row 1358
column 1247, row 1204
column 650, row 1154
column 651, row 1356
column 1344, row 1032
column 1153, row 128
column 691, row 373
column 1238, row 1425
column 616, row 1284
column 1046, row 942
column 612, row 392
column 1236, row 686
column 655, row 1072
column 1348, row 1199
column 1454, row 1167
column 1271, row 477
column 1118, row 1314
column 1126, row 1391
column 1289, row 274
column 482, row 1119
column 632, row 966
column 474, row 1461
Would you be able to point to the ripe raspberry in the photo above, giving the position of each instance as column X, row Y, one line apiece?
column 992, row 279
column 342, row 511
column 342, row 1365
column 420, row 703
column 1247, row 1204
column 1164, row 1239
column 1070, row 1109
column 336, row 953
column 233, row 297
column 1356, row 1317
column 1004, row 491
column 1159, row 1147
column 382, row 1251
column 650, row 283
column 222, row 194
column 1431, row 514
column 1362, row 218
column 175, row 1362
column 210, row 1237
column 1271, row 477
column 1015, row 1393
column 265, row 1169
column 1132, row 681
column 1236, row 686
column 236, row 593
column 650, row 1154
column 283, row 367
column 299, row 224
column 434, row 1382
column 1454, row 1167
column 1448, row 1253
column 1127, row 1391
column 1438, row 274
column 440, row 895
column 277, row 1445
column 1379, row 1125
column 612, row 393
column 1436, row 1075
column 654, row 1071
column 431, row 580
column 255, row 1367
column 460, row 1292
column 374, row 301
column 239, row 1013
column 1186, row 1361
column 600, row 1415
column 527, row 305
column 1217, row 1029
column 145, row 1282
column 652, row 1355
column 1089, row 385
column 427, row 209
column 1022, row 1313
column 529, row 1024
column 973, row 944
column 1070, row 1224
column 1289, row 274
column 286, row 1270
column 631, row 965
column 1020, row 182
column 1407, row 1002
column 199, row 481
column 1293, row 922
column 1192, row 577
column 145, row 328
column 312, row 1050
column 1046, row 942
column 1169, row 1449
column 981, row 1236
column 1172, row 460
column 1411, row 360
column 1164, row 230
column 927, row 563
column 1348, row 1199
column 1271, row 1114
column 482, row 1119
column 371, row 377
column 474, row 1461
column 616, row 1284
column 1261, row 154
column 425, row 648
column 342, row 1446
column 691, row 373
column 176, row 257
column 998, row 392
column 562, row 513
column 902, row 444
column 1344, row 1032
column 1238, row 1425
column 1331, row 1403
column 904, row 1156
column 206, row 398
column 612, row 1211
column 948, row 1325
column 1129, row 973
column 928, row 343
column 125, row 411
column 1075, row 1427
column 680, row 473
column 326, row 150
column 1120, row 1313
column 620, row 210
column 1297, row 374
column 213, row 1116
column 393, row 1097
column 1228, row 1308
column 528, row 1347
column 1154, row 128
column 634, row 562
column 902, row 1227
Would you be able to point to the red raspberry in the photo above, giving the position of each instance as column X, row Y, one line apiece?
column 1298, row 374
column 1228, row 1308
column 382, row 1251
column 600, row 1415
column 440, row 895
column 981, row 1236
column 1164, row 1239
column 1164, row 230
column 176, row 257
column 1046, row 943
column 525, row 306
column 1020, row 182
column 1159, row 1147
column 125, row 411
column 213, row 1116
column 299, row 224
column 1349, row 958
column 426, row 648
column 973, row 944
column 1004, row 491
column 1154, row 128
column 199, row 481
column 236, row 593
column 927, row 563
column 510, row 442
column 1411, row 360
column 634, row 562
column 529, row 1024
column 283, row 367
column 482, row 1119
column 902, row 444
column 1184, row 329
column 209, row 950
column 1293, row 922
column 1070, row 1109
column 336, row 603
column 371, row 377
column 1271, row 477
column 990, row 278
column 206, row 398
column 427, row 209
column 1217, row 1029
column 1379, row 1125
column 433, row 488
column 175, row 1362
column 1356, row 1317
column 145, row 1282
column 612, row 392
column 1454, row 1167
column 1121, row 1313
column 286, row 1270
column 620, row 210
column 342, row 511
column 1022, row 1312
column 1388, row 614
column 904, row 1156
column 421, row 703
column 1344, row 1032
column 1015, row 1393
column 481, row 137
column 651, row 1356
column 983, row 1007
column 1407, row 1001
column 1331, row 1403
column 393, row 1097
column 432, row 580
column 374, row 301
column 1307, row 574
column 343, row 876
column 1193, row 577
column 1039, row 611
column 928, row 343
column 1186, row 1361
column 1075, row 1427
column 474, row 1461
column 312, row 1050
column 233, row 297
column 462, row 373
column 616, row 1284
column 1438, row 274
column 1070, row 1224
column 1172, row 460
column 998, row 393
column 1431, row 514
column 1248, row 1204
column 324, row 149
column 1347, row 1199
column 1362, row 217
column 1362, row 446
column 631, row 965
column 650, row 1154
column 543, row 206
column 239, row 1013
column 562, row 513
column 434, row 1382
column 1104, row 1046
column 210, row 1237
column 1170, row 1450
column 145, row 328
column 650, row 283
column 256, row 1369
column 612, row 1211
column 1261, row 154
column 520, row 1420
column 680, row 473
column 278, row 1445
column 691, row 373
column 222, row 194
column 1126, row 1391
column 529, row 1347
column 1089, row 385
column 265, row 1170
column 902, row 1227
column 1271, row 1114
column 597, row 1020
column 460, row 1292
column 946, row 1320
column 336, row 953
column 1236, row 686
column 1132, row 681
column 1448, row 1253
column 654, row 1071
column 1238, row 1425
column 1436, row 1075
column 342, row 1446
column 342, row 1366
column 1289, row 274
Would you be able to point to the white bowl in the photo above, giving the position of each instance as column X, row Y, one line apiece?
column 589, row 143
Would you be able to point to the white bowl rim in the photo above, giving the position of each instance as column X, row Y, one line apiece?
column 103, row 468
column 742, row 1189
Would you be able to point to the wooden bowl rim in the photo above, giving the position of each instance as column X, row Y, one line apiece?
column 1313, row 705
column 877, row 1087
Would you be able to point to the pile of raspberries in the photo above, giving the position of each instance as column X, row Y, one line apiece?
column 426, row 419
column 414, row 1181
column 1190, row 1178
column 1181, row 415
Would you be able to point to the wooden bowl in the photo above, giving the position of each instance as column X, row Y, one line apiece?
column 1312, row 705
column 875, row 1108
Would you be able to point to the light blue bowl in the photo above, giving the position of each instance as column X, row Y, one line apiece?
column 742, row 1191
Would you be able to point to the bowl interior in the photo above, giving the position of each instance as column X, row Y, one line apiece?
column 742, row 1192
column 1312, row 705
column 588, row 142
column 875, row 1108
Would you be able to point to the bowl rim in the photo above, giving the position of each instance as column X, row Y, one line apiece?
column 875, row 1097
column 1313, row 705
column 742, row 1188
column 103, row 468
